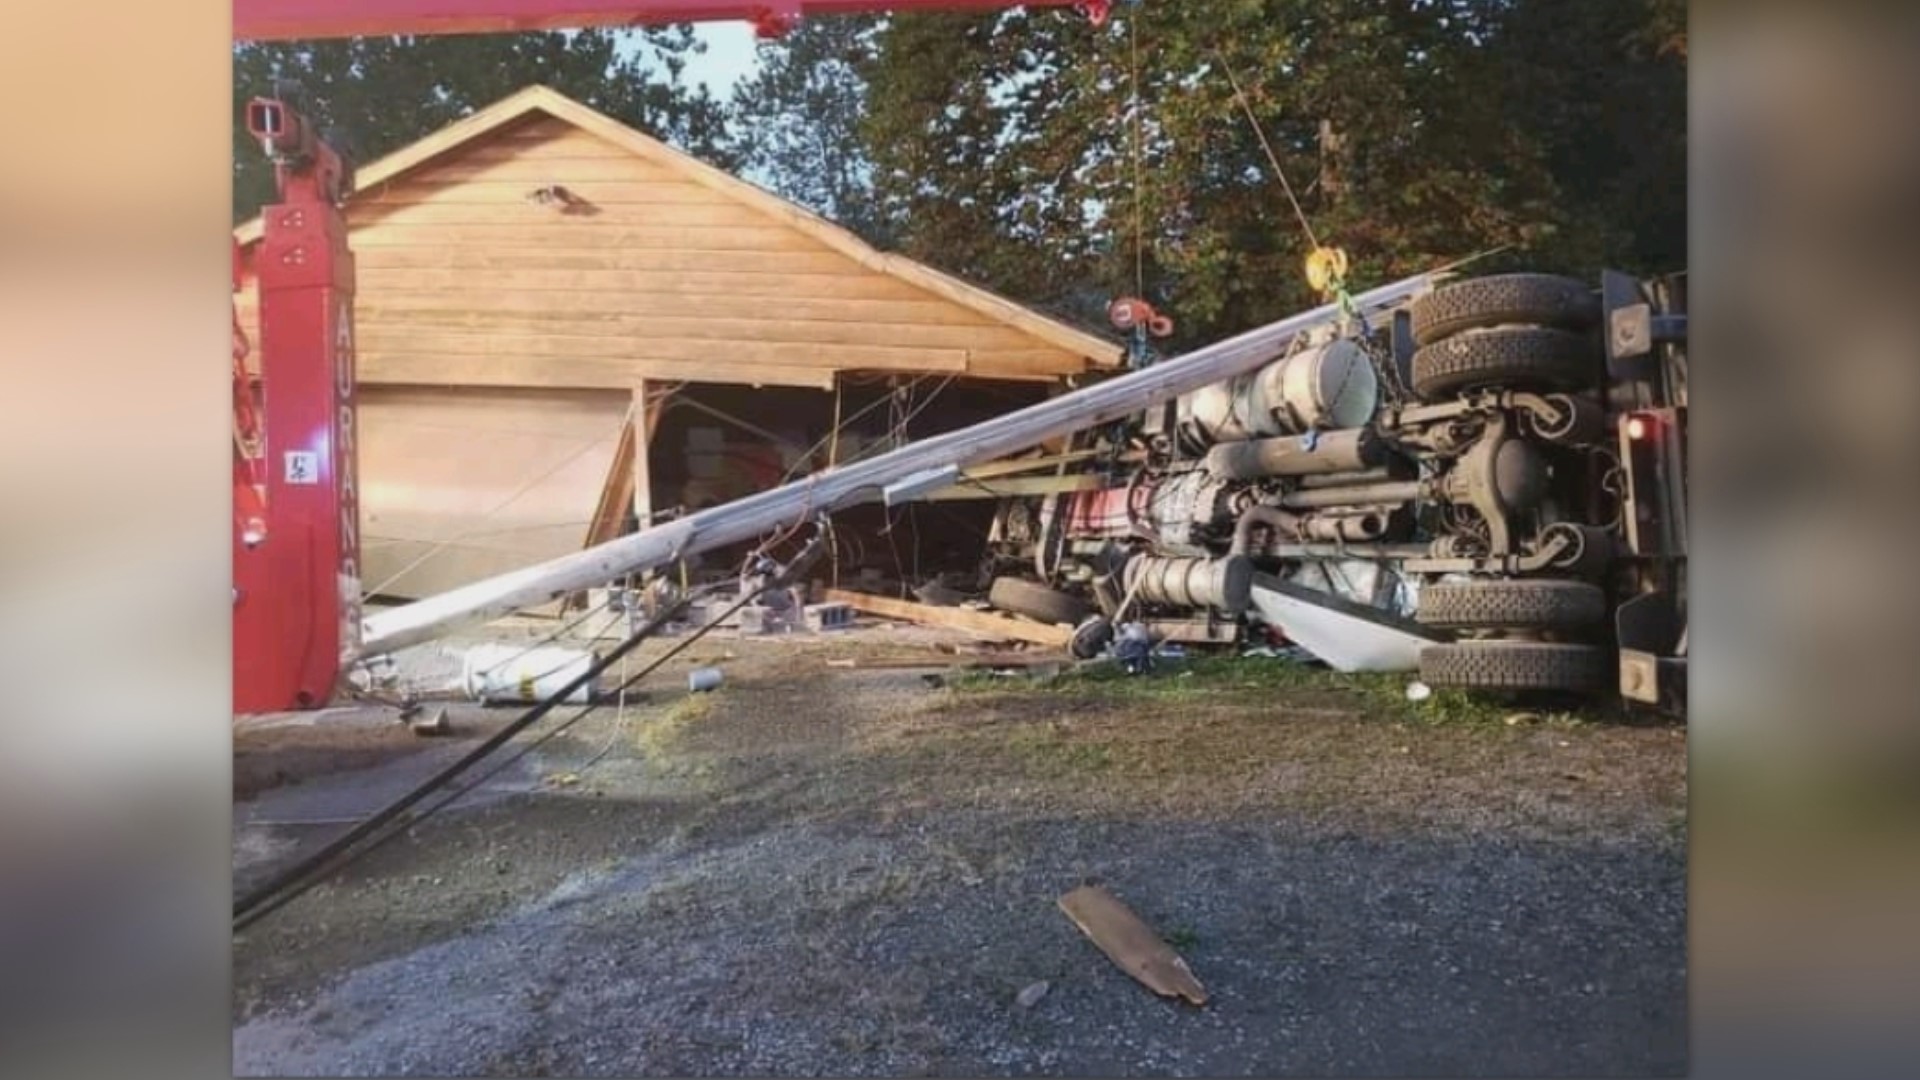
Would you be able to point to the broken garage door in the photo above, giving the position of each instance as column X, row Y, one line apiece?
column 458, row 484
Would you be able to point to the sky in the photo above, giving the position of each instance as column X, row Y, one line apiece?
column 731, row 55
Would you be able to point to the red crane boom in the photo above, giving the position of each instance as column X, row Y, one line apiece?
column 279, row 20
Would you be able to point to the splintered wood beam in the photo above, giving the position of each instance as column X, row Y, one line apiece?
column 971, row 487
column 985, row 624
column 1010, row 466
column 616, row 495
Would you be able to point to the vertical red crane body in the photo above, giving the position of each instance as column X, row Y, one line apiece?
column 296, row 611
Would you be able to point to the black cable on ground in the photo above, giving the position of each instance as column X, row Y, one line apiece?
column 319, row 860
column 287, row 886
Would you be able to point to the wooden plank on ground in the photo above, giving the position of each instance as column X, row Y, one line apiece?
column 1131, row 944
column 983, row 623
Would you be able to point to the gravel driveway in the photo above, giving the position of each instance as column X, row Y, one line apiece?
column 820, row 870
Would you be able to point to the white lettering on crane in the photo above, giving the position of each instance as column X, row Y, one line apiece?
column 347, row 461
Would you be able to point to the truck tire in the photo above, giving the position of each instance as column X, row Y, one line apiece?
column 1036, row 601
column 1515, row 665
column 1504, row 300
column 1090, row 638
column 1512, row 605
column 1516, row 357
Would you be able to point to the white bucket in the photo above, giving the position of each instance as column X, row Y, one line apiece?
column 700, row 680
column 513, row 673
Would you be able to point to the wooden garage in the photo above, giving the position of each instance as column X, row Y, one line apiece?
column 566, row 326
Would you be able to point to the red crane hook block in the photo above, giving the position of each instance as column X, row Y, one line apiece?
column 1128, row 312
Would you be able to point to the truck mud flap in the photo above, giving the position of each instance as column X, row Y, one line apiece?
column 1347, row 636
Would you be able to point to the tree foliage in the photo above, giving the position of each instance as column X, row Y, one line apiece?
column 371, row 96
column 796, row 121
column 1063, row 164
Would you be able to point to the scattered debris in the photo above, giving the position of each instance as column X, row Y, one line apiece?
column 429, row 726
column 760, row 619
column 985, row 624
column 1032, row 993
column 1516, row 719
column 1290, row 653
column 1418, row 691
column 1133, row 648
column 1039, row 665
column 501, row 674
column 565, row 779
column 934, row 594
column 1131, row 944
column 831, row 616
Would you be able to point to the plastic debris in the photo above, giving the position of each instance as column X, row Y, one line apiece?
column 429, row 726
column 1132, row 648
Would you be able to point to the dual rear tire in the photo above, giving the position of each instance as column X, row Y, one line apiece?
column 1518, row 664
column 1515, row 331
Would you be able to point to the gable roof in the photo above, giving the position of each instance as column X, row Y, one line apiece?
column 541, row 99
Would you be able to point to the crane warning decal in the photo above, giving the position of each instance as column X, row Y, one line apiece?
column 303, row 467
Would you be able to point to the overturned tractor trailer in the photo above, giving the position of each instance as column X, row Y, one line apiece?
column 1485, row 483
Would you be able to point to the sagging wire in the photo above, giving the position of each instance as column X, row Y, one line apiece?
column 1139, row 180
column 1273, row 159
column 842, row 426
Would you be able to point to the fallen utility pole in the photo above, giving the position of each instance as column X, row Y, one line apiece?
column 851, row 484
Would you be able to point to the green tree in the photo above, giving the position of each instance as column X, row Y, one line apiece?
column 1063, row 164
column 1602, row 93
column 371, row 96
column 796, row 121
column 976, row 162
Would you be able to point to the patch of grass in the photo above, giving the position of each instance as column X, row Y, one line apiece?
column 1047, row 751
column 1228, row 679
column 657, row 735
column 1182, row 937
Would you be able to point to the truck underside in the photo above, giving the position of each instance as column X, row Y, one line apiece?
column 1494, row 472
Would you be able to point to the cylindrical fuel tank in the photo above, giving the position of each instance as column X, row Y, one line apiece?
column 1226, row 583
column 1326, row 387
column 1352, row 450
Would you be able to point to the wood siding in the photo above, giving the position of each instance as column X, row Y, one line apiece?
column 464, row 280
